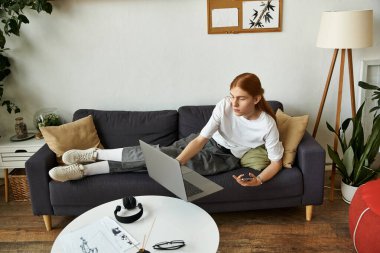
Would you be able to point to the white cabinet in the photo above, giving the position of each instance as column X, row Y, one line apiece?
column 14, row 154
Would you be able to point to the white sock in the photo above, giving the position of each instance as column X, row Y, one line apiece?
column 96, row 168
column 110, row 154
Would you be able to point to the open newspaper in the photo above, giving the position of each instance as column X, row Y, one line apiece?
column 104, row 235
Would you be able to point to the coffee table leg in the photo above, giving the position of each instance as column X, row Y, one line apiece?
column 6, row 184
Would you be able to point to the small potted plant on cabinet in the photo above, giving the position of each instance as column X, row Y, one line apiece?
column 46, row 117
column 358, row 154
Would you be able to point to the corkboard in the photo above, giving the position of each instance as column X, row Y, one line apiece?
column 248, row 16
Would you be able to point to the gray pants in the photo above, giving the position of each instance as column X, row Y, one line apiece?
column 212, row 159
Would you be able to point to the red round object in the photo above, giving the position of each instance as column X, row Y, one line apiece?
column 364, row 218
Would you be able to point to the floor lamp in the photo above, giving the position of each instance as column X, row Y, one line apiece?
column 342, row 31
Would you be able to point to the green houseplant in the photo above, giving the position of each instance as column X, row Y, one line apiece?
column 358, row 153
column 12, row 17
column 47, row 117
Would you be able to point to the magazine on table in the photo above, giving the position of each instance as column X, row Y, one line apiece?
column 104, row 235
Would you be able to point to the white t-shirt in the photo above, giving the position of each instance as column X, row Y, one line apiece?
column 240, row 134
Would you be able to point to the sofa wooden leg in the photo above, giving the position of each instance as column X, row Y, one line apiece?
column 309, row 212
column 47, row 221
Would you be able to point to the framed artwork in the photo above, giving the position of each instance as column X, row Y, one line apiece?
column 248, row 16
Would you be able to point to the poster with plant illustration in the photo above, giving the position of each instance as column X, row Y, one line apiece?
column 244, row 16
column 261, row 14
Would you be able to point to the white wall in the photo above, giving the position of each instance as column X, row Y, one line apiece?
column 156, row 54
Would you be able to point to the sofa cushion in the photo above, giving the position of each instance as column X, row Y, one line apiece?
column 124, row 128
column 95, row 190
column 291, row 130
column 193, row 118
column 79, row 134
column 286, row 184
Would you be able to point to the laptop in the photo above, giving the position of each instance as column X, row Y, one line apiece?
column 180, row 180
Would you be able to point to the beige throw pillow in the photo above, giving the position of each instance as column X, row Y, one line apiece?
column 79, row 134
column 291, row 131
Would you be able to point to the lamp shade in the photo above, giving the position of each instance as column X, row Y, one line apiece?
column 346, row 29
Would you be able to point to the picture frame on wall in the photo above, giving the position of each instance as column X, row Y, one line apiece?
column 244, row 16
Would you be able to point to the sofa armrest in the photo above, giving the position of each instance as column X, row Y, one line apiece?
column 37, row 168
column 311, row 161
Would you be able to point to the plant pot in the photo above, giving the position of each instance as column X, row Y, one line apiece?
column 348, row 192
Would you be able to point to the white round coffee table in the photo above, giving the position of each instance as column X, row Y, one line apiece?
column 174, row 219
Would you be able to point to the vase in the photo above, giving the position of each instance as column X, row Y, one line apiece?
column 20, row 128
column 348, row 192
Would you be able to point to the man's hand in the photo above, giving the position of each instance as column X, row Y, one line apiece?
column 247, row 181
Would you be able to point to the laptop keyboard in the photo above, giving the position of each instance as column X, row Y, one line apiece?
column 191, row 189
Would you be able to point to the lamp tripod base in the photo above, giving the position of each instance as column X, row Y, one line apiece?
column 339, row 101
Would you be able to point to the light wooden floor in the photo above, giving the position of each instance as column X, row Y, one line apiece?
column 281, row 230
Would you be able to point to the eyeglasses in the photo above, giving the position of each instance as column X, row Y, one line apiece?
column 176, row 244
column 238, row 99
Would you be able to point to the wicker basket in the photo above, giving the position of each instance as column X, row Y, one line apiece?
column 19, row 185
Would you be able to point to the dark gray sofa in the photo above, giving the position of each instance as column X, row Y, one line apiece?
column 301, row 185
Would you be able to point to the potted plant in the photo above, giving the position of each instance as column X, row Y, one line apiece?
column 46, row 117
column 358, row 154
